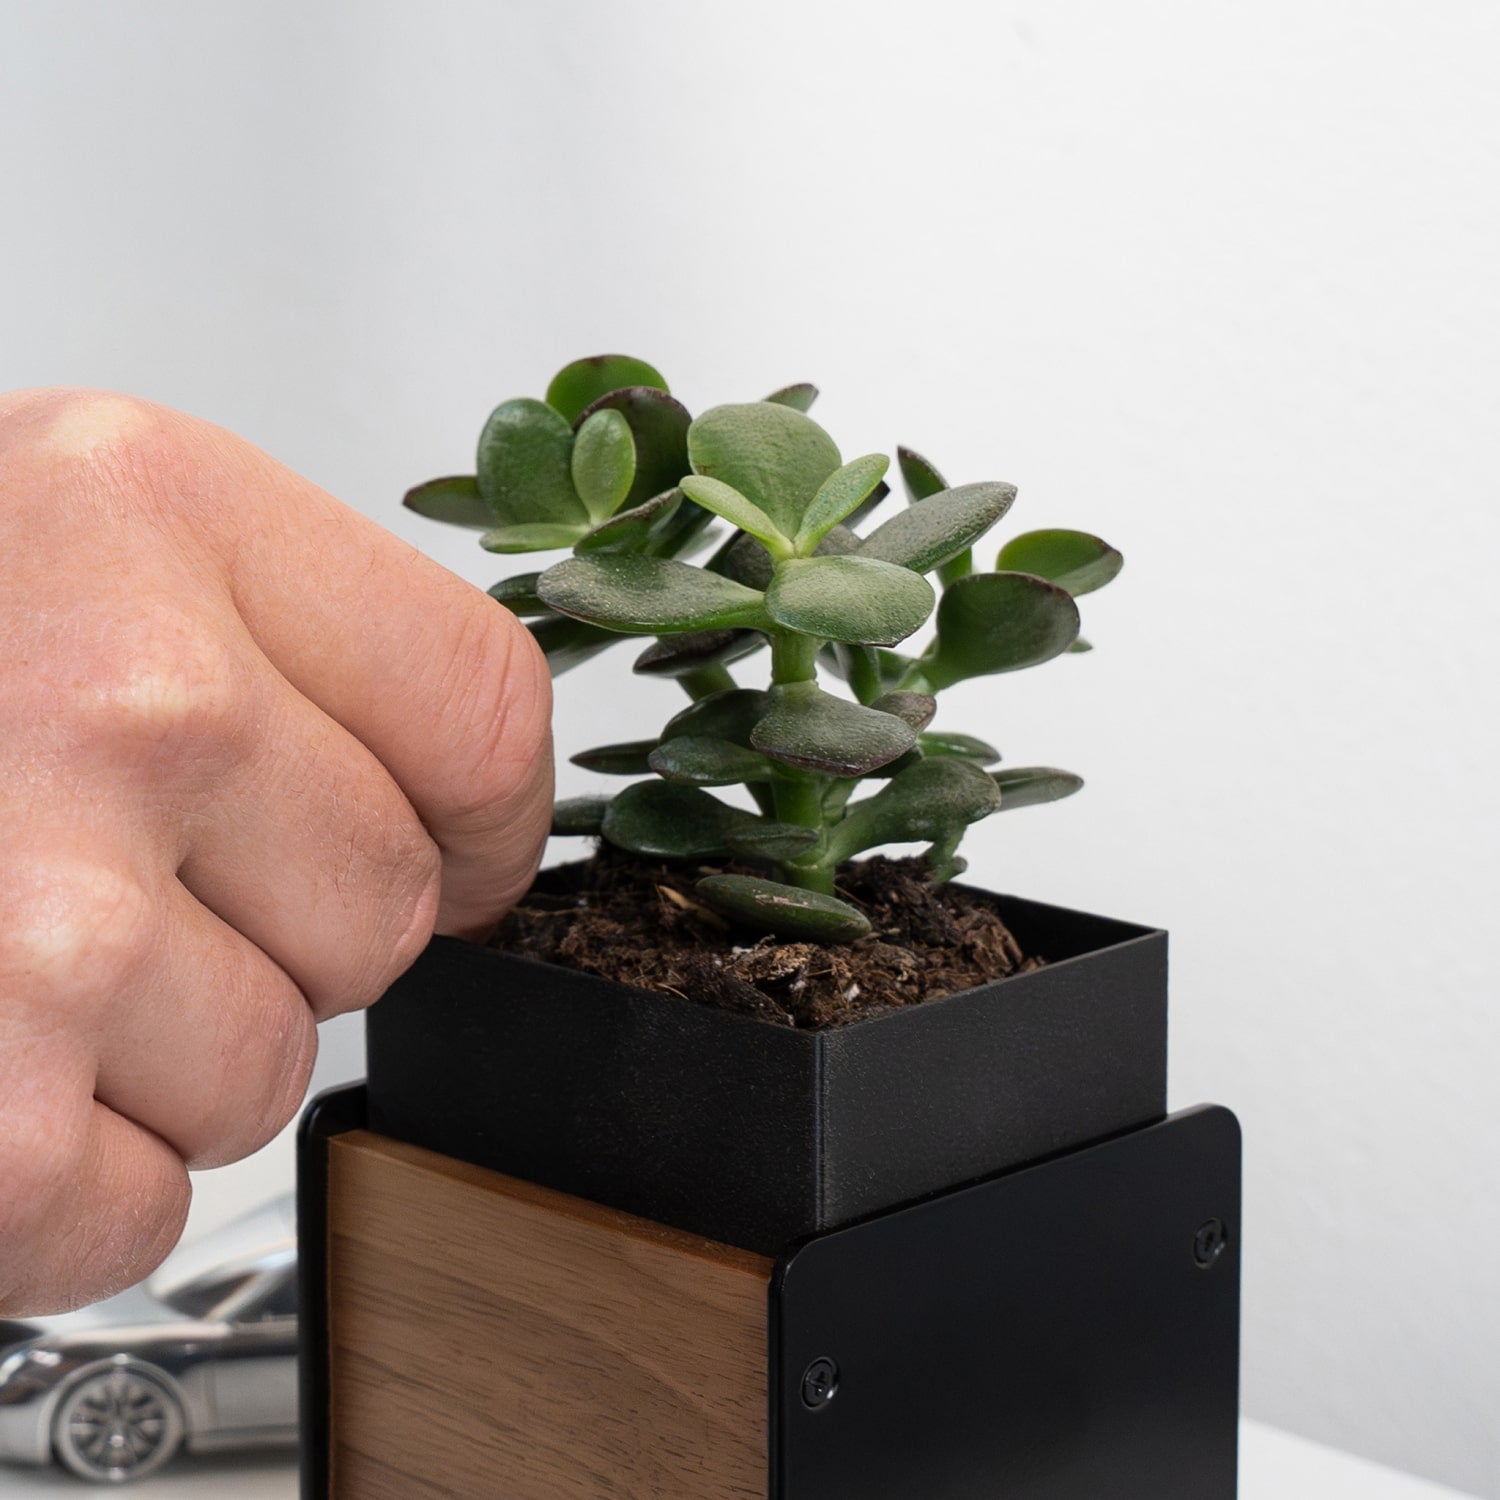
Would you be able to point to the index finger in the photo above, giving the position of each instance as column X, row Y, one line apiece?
column 445, row 686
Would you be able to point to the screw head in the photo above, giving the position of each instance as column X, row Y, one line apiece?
column 820, row 1383
column 1209, row 1242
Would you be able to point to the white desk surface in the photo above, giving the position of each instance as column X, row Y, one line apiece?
column 1273, row 1466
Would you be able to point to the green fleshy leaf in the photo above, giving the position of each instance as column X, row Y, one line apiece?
column 768, row 839
column 915, row 709
column 1080, row 646
column 743, row 559
column 526, row 466
column 920, row 477
column 895, row 767
column 1027, row 786
column 1073, row 560
column 678, row 655
column 839, row 541
column 726, row 501
column 773, row 455
column 787, row 910
column 893, row 666
column 857, row 599
column 569, row 643
column 998, row 622
column 534, row 536
column 700, row 761
column 815, row 731
column 603, row 464
column 685, row 533
column 518, row 595
column 634, row 530
column 941, row 528
column 455, row 500
column 665, row 821
column 583, row 382
column 859, row 666
column 629, row 758
column 648, row 595
column 967, row 745
column 728, row 715
column 929, row 802
column 579, row 816
column 871, row 502
column 839, row 496
column 659, row 427
column 799, row 397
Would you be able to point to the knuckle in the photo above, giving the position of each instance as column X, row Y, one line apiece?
column 75, row 933
column 106, row 456
column 74, row 428
column 177, row 691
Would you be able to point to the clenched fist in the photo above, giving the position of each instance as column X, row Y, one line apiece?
column 254, row 750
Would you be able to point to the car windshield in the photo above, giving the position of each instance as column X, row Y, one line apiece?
column 199, row 1277
column 199, row 1299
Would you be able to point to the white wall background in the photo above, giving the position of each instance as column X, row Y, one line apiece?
column 1217, row 280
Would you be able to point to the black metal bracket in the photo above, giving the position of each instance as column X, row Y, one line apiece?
column 330, row 1114
column 1066, row 1331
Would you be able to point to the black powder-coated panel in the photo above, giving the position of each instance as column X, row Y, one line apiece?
column 994, row 1077
column 1047, row 1335
column 332, row 1113
column 647, row 1103
column 756, row 1135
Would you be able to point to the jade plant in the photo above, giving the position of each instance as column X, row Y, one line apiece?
column 613, row 467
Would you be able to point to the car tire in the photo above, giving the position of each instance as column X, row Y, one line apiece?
column 117, row 1423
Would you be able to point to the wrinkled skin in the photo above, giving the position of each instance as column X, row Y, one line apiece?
column 254, row 750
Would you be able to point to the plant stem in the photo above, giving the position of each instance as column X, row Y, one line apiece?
column 702, row 681
column 960, row 567
column 943, row 857
column 799, row 800
column 864, row 674
column 913, row 680
column 799, row 794
column 836, row 798
column 794, row 658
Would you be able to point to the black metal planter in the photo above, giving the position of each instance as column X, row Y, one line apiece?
column 999, row 1268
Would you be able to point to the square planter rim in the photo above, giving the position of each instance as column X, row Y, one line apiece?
column 1130, row 934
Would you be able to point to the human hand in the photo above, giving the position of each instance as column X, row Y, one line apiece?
column 253, row 751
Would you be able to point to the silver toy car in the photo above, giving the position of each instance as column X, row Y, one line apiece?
column 204, row 1354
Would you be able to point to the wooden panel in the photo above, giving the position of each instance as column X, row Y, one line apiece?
column 492, row 1338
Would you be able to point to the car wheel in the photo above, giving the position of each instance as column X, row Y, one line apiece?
column 117, row 1424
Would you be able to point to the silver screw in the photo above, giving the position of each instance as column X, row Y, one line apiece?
column 1209, row 1242
column 820, row 1383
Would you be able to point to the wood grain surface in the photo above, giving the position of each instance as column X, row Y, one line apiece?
column 492, row 1338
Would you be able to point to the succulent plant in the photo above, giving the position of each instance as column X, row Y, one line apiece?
column 611, row 465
